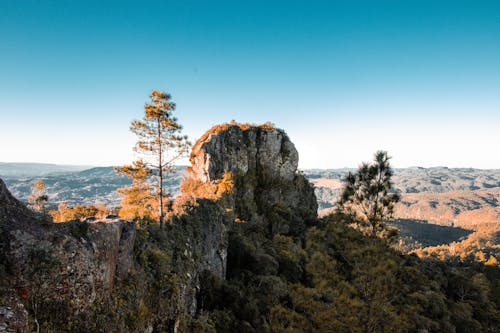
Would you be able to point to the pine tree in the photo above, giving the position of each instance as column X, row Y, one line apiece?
column 160, row 141
column 368, row 194
column 138, row 202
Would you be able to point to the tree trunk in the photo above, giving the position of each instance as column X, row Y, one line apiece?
column 160, row 180
column 160, row 170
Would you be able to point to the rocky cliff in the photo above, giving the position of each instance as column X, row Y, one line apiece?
column 263, row 164
column 113, row 275
column 77, row 261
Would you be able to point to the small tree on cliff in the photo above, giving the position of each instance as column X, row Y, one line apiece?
column 368, row 194
column 138, row 202
column 38, row 198
column 160, row 141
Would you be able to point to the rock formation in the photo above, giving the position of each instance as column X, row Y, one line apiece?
column 241, row 176
column 77, row 261
column 246, row 150
column 263, row 163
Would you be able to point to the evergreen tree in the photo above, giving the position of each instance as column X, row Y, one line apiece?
column 368, row 194
column 160, row 141
column 138, row 201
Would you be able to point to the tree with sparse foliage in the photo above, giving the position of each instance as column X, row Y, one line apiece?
column 137, row 200
column 38, row 198
column 160, row 141
column 368, row 195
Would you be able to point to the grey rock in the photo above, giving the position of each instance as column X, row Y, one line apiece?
column 244, row 149
column 263, row 162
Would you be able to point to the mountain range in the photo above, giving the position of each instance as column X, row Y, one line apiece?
column 456, row 199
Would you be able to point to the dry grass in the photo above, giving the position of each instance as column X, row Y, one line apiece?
column 325, row 182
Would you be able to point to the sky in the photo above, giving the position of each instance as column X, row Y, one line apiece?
column 420, row 79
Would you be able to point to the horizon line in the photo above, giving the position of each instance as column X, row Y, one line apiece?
column 89, row 166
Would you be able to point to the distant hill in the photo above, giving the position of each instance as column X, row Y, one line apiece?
column 79, row 187
column 36, row 169
column 438, row 206
column 459, row 208
column 438, row 194
column 466, row 198
column 443, row 179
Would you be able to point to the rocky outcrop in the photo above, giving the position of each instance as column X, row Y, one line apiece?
column 13, row 315
column 84, row 259
column 241, row 176
column 10, row 208
column 201, row 239
column 75, row 262
column 263, row 163
column 246, row 150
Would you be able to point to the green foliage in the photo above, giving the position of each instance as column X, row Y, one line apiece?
column 290, row 257
column 368, row 195
column 339, row 280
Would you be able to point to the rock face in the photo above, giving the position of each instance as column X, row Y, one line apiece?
column 244, row 149
column 80, row 260
column 264, row 189
column 87, row 257
column 10, row 207
column 13, row 316
column 202, row 244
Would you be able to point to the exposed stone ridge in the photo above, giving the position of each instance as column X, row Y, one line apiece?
column 242, row 175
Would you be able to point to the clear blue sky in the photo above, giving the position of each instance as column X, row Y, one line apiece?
column 420, row 79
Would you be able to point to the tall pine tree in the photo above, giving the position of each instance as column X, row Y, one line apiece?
column 160, row 141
